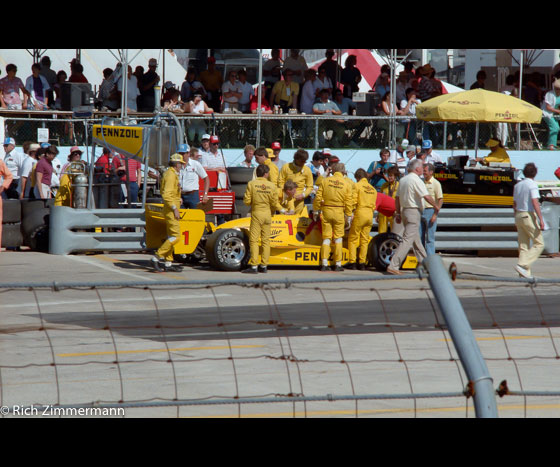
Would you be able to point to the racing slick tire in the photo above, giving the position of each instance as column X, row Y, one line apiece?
column 228, row 250
column 382, row 248
column 242, row 175
column 11, row 211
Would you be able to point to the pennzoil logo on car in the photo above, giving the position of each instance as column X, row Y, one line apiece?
column 444, row 175
column 495, row 178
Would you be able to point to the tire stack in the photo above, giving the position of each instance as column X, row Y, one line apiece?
column 11, row 223
column 35, row 214
column 239, row 177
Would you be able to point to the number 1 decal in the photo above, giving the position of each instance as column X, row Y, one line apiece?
column 290, row 227
column 186, row 235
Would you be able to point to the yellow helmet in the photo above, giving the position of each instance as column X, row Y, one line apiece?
column 176, row 158
column 270, row 153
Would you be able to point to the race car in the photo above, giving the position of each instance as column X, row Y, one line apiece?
column 295, row 241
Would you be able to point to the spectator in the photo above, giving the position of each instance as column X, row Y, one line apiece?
column 431, row 156
column 10, row 86
column 532, row 91
column 480, row 80
column 231, row 92
column 408, row 109
column 285, row 93
column 44, row 172
column 334, row 70
column 269, row 128
column 168, row 88
column 410, row 153
column 317, row 164
column 398, row 156
column 74, row 156
column 24, row 186
column 5, row 182
column 411, row 194
column 61, row 78
column 108, row 93
column 77, row 72
column 129, row 170
column 382, row 85
column 146, row 87
column 132, row 91
column 213, row 159
column 308, row 96
column 297, row 64
column 388, row 110
column 212, row 81
column 173, row 103
column 377, row 170
column 401, row 87
column 276, row 148
column 323, row 82
column 551, row 108
column 37, row 85
column 50, row 76
column 389, row 188
column 195, row 155
column 528, row 220
column 428, row 225
column 351, row 76
column 247, row 92
column 191, row 86
column 429, row 86
column 204, row 145
column 272, row 72
column 14, row 161
column 327, row 107
column 344, row 104
column 189, row 179
column 197, row 128
column 248, row 153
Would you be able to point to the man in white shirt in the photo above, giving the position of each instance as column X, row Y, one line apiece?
column 231, row 92
column 213, row 159
column 308, row 96
column 14, row 162
column 297, row 64
column 409, row 204
column 24, row 187
column 431, row 156
column 247, row 92
column 276, row 148
column 189, row 177
column 528, row 220
column 132, row 91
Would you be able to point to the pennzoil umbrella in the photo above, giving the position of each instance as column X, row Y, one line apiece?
column 478, row 105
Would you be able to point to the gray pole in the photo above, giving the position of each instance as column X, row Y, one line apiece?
column 463, row 338
column 259, row 110
column 521, row 58
column 124, row 77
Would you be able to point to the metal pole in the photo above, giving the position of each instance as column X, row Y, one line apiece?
column 521, row 58
column 259, row 110
column 463, row 338
column 124, row 77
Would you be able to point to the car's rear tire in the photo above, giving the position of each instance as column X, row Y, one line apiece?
column 382, row 248
column 228, row 250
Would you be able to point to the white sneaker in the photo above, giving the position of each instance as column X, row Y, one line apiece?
column 521, row 270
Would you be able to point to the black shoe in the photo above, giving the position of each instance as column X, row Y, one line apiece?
column 250, row 271
column 158, row 264
column 174, row 268
column 338, row 269
column 324, row 268
column 262, row 269
column 351, row 266
column 361, row 267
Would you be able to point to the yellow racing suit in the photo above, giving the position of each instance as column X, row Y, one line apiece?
column 334, row 200
column 273, row 173
column 171, row 193
column 364, row 197
column 302, row 177
column 262, row 196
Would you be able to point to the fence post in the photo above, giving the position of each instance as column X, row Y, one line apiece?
column 463, row 338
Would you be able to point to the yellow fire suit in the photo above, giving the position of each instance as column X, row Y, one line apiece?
column 272, row 175
column 334, row 200
column 302, row 177
column 285, row 203
column 262, row 196
column 364, row 197
column 171, row 193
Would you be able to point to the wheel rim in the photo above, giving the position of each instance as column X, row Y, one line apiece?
column 233, row 250
column 387, row 250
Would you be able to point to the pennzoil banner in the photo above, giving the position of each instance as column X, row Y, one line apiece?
column 123, row 139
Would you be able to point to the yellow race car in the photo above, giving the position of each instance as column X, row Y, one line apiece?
column 295, row 240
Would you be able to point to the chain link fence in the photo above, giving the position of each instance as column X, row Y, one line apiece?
column 294, row 131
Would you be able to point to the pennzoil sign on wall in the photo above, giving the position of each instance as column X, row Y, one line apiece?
column 123, row 139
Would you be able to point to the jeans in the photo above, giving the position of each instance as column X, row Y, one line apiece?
column 190, row 200
column 133, row 192
column 552, row 131
column 428, row 231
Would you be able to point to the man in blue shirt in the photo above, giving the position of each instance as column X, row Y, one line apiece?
column 377, row 170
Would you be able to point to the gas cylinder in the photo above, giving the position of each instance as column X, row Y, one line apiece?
column 80, row 189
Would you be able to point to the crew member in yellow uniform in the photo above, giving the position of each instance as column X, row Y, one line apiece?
column 364, row 197
column 262, row 196
column 334, row 202
column 263, row 156
column 298, row 172
column 287, row 199
column 170, row 189
column 497, row 153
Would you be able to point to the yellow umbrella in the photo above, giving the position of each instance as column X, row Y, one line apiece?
column 478, row 105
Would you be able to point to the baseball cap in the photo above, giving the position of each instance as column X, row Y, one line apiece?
column 404, row 143
column 211, row 60
column 205, row 137
column 334, row 159
column 169, row 85
column 214, row 139
column 426, row 144
column 276, row 145
column 327, row 152
column 10, row 141
column 34, row 147
column 183, row 148
column 45, row 145
column 411, row 148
